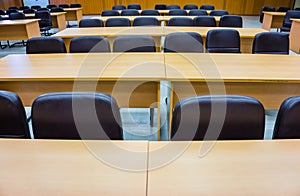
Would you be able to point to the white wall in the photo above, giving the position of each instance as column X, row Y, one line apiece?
column 42, row 3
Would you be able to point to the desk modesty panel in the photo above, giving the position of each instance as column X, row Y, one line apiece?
column 273, row 20
column 295, row 36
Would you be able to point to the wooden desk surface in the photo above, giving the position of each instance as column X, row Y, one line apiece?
column 294, row 35
column 17, row 22
column 72, row 9
column 229, row 168
column 275, row 13
column 60, row 167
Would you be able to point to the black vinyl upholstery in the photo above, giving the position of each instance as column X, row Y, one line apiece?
column 24, row 7
column 160, row 7
column 75, row 5
column 89, row 44
column 134, row 6
column 218, row 12
column 118, row 7
column 110, row 13
column 117, row 22
column 231, row 21
column 218, row 117
column 16, row 16
column 90, row 22
column 28, row 11
column 282, row 9
column 57, row 9
column 2, row 12
column 76, row 115
column 145, row 21
column 64, row 6
column 287, row 125
column 177, row 12
column 205, row 21
column 271, row 43
column 134, row 43
column 131, row 12
column 172, row 7
column 150, row 13
column 42, row 45
column 45, row 21
column 181, row 21
column 190, row 7
column 265, row 9
column 287, row 23
column 207, row 7
column 50, row 6
column 183, row 42
column 197, row 13
column 13, row 122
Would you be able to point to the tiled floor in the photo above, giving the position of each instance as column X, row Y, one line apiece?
column 136, row 122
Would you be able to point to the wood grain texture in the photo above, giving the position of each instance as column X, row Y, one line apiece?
column 294, row 36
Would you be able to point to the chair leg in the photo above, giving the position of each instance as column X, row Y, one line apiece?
column 151, row 116
column 2, row 46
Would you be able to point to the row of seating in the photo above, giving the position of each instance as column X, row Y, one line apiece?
column 200, row 21
column 36, row 7
column 217, row 41
column 87, row 115
column 164, row 7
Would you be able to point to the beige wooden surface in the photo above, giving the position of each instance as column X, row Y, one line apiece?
column 228, row 168
column 73, row 14
column 295, row 36
column 19, row 29
column 269, row 78
column 273, row 20
column 60, row 167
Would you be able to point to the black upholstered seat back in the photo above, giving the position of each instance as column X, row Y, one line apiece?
column 89, row 44
column 271, row 43
column 177, row 12
column 265, row 9
column 197, row 13
column 180, row 21
column 145, row 21
column 134, row 43
column 172, row 7
column 40, row 45
column 231, row 21
column 110, row 13
column 287, row 23
column 130, row 12
column 117, row 22
column 205, row 21
column 90, row 22
column 150, row 13
column 183, row 42
column 134, row 6
column 218, row 12
column 118, row 7
column 160, row 7
column 190, row 7
column 207, row 7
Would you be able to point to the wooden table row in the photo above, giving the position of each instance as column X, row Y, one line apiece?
column 60, row 167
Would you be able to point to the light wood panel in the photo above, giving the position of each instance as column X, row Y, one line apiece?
column 294, row 36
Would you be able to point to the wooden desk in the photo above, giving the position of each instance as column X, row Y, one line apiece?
column 273, row 20
column 111, row 33
column 246, row 34
column 228, row 168
column 19, row 29
column 73, row 14
column 295, row 36
column 60, row 167
column 268, row 78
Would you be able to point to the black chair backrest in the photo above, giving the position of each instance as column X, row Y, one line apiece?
column 16, row 16
column 118, row 7
column 45, row 18
column 150, row 13
column 13, row 8
column 91, row 22
column 42, row 45
column 223, row 41
column 190, row 7
column 134, row 43
column 110, row 13
column 11, row 11
column 64, row 6
column 13, row 122
column 173, row 7
column 231, row 21
column 129, row 13
column 282, row 9
column 205, row 21
column 24, row 7
column 207, row 7
column 145, row 21
column 117, row 22
column 43, row 9
column 134, row 6
column 218, row 117
column 180, row 21
column 218, row 12
column 50, row 6
column 35, row 7
column 76, row 115
column 177, row 12
column 160, row 7
column 271, row 43
column 89, row 44
column 183, row 42
column 1, row 17
column 75, row 5
column 2, row 12
column 265, row 9
column 57, row 9
column 287, row 23
column 29, row 11
column 197, row 13
column 297, row 8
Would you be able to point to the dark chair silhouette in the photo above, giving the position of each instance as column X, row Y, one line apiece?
column 297, row 8
column 43, row 45
column 134, row 6
column 287, row 23
column 205, row 21
column 57, row 9
column 218, row 117
column 45, row 21
column 177, row 12
column 13, row 8
column 160, row 7
column 265, row 9
column 287, row 124
column 76, row 115
column 118, row 7
column 50, row 6
column 1, row 18
column 129, row 13
column 2, row 12
column 180, row 21
column 173, row 7
column 35, row 7
column 43, row 9
column 89, row 44
column 13, row 122
column 90, row 22
column 75, row 5
column 282, row 9
column 8, row 12
column 64, row 6
column 110, row 13
column 231, row 21
column 271, row 43
column 150, row 13
column 16, row 16
column 190, row 7
column 223, row 41
column 218, row 13
column 145, row 21
column 207, row 7
column 29, row 11
column 134, row 43
column 183, row 42
column 197, row 13
column 24, row 7
column 117, row 22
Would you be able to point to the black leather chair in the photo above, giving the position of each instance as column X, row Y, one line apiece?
column 183, row 42
column 13, row 122
column 42, row 45
column 35, row 7
column 207, row 7
column 45, row 21
column 57, row 9
column 134, row 43
column 231, row 21
column 282, row 9
column 271, row 43
column 76, row 115
column 145, row 21
column 89, row 44
column 265, row 9
column 64, row 6
column 160, row 7
column 29, row 11
column 197, row 13
column 129, row 13
column 117, row 22
column 205, row 21
column 180, row 21
column 190, row 7
column 24, row 7
column 150, row 13
column 218, row 117
column 118, row 7
column 177, row 12
column 43, row 9
column 13, row 8
column 218, row 12
column 8, row 12
column 134, row 6
column 287, row 23
column 110, row 13
column 50, row 6
column 287, row 125
column 172, row 7
column 90, row 22
column 223, row 41
column 2, row 12
column 75, row 5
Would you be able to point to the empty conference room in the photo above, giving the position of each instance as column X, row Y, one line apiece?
column 132, row 97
